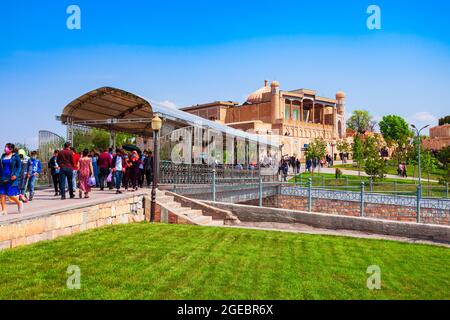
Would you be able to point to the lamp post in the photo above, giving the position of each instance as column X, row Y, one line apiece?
column 156, row 126
column 418, row 149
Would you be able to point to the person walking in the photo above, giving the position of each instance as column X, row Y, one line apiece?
column 142, row 169
column 76, row 161
column 10, row 170
column 65, row 160
column 94, row 157
column 119, row 165
column 23, row 181
column 104, row 165
column 85, row 171
column 34, row 170
column 54, row 171
column 285, row 170
column 298, row 165
column 148, row 167
column 134, row 176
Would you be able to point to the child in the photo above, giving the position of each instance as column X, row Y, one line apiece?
column 34, row 170
column 23, row 181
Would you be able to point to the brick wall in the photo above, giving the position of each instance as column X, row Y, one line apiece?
column 351, row 208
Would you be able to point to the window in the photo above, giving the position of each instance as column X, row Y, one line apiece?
column 287, row 112
column 295, row 114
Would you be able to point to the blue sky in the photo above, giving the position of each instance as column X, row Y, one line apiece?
column 188, row 52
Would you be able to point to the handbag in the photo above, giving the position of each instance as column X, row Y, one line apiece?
column 109, row 178
column 92, row 182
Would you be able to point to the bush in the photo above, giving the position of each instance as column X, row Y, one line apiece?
column 338, row 173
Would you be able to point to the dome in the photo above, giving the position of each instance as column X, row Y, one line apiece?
column 257, row 96
column 275, row 84
column 340, row 95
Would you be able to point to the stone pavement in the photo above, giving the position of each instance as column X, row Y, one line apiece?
column 45, row 203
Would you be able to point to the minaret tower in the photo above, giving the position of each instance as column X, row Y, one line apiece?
column 275, row 92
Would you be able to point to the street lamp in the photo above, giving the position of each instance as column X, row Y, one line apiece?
column 156, row 126
column 418, row 148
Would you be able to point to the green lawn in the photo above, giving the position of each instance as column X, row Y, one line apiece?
column 387, row 185
column 143, row 261
column 392, row 169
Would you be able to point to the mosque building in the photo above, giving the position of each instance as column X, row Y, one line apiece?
column 297, row 117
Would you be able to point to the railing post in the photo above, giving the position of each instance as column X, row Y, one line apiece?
column 395, row 188
column 309, row 194
column 346, row 183
column 301, row 181
column 446, row 190
column 418, row 197
column 362, row 200
column 260, row 191
column 214, row 184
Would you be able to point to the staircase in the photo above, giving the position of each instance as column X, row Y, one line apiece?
column 195, row 216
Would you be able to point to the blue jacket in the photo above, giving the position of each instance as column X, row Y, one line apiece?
column 34, row 166
column 15, row 168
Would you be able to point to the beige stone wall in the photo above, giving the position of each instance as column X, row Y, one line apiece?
column 49, row 227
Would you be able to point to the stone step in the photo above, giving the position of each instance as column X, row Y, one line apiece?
column 172, row 204
column 193, row 213
column 165, row 199
column 215, row 223
column 202, row 220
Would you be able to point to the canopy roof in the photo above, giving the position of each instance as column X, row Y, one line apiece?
column 118, row 110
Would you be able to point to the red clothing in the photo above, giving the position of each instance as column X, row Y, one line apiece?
column 76, row 159
column 65, row 159
column 104, row 161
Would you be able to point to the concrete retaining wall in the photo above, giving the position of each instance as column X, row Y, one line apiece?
column 247, row 213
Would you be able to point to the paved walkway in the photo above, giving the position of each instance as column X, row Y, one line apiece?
column 347, row 172
column 45, row 202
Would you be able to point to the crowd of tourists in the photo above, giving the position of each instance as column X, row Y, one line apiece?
column 292, row 163
column 18, row 174
column 73, row 172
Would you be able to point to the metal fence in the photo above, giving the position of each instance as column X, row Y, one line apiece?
column 394, row 187
column 414, row 202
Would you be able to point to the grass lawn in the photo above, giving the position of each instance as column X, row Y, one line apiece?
column 392, row 169
column 387, row 185
column 143, row 261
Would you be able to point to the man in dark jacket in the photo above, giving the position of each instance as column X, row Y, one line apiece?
column 148, row 168
column 54, row 171
column 66, row 165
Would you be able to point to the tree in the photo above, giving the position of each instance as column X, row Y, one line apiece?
column 443, row 157
column 428, row 163
column 316, row 150
column 98, row 139
column 396, row 133
column 360, row 121
column 358, row 152
column 374, row 166
column 344, row 148
column 394, row 128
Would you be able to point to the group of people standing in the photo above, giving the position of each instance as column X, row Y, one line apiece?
column 18, row 174
column 71, row 171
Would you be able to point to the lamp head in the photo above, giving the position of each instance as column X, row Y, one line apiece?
column 413, row 126
column 156, row 123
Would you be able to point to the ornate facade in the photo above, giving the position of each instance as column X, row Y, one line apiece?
column 297, row 116
column 439, row 138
